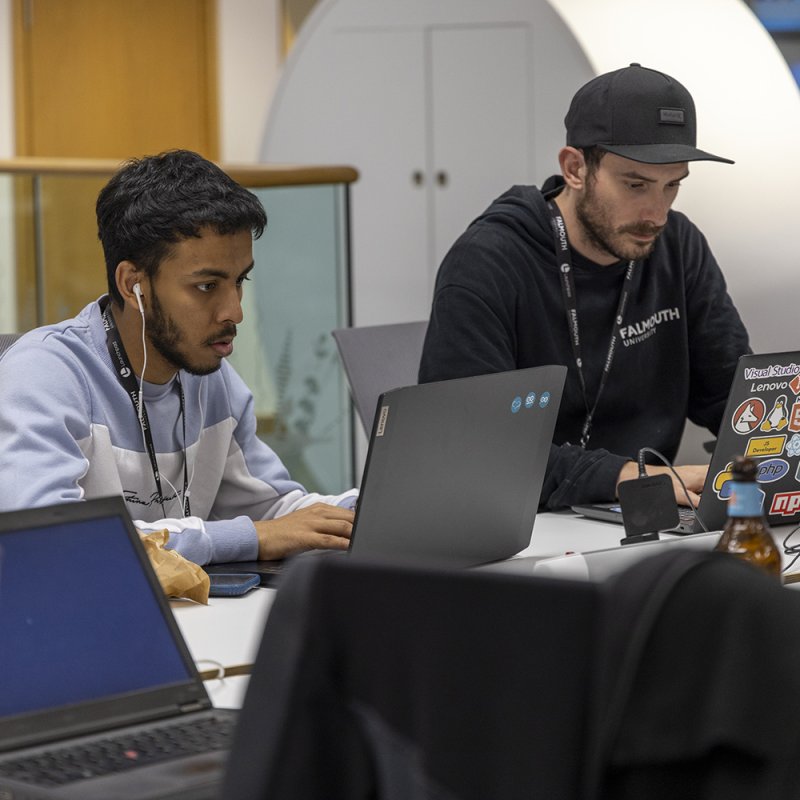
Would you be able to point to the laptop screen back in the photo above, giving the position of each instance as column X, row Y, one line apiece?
column 455, row 468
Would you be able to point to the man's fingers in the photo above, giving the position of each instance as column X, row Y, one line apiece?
column 335, row 527
column 330, row 520
column 331, row 512
column 319, row 526
column 681, row 495
column 327, row 542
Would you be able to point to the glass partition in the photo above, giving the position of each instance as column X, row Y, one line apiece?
column 298, row 293
column 52, row 264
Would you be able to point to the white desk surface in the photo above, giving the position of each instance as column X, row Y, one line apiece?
column 224, row 634
column 228, row 630
column 558, row 532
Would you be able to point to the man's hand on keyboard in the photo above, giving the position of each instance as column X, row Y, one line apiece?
column 692, row 475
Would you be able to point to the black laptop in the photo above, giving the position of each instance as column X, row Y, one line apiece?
column 99, row 695
column 761, row 420
column 454, row 470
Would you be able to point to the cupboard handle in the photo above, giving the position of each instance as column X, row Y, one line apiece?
column 442, row 178
column 418, row 177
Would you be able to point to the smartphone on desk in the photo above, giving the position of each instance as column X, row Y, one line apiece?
column 231, row 584
column 267, row 571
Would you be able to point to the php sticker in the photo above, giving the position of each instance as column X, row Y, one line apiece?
column 773, row 469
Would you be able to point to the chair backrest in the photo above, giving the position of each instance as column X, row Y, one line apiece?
column 377, row 358
column 7, row 339
column 388, row 682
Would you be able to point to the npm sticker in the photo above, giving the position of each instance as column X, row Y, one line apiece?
column 785, row 503
column 765, row 446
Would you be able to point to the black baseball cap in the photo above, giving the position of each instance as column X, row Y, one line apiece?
column 637, row 113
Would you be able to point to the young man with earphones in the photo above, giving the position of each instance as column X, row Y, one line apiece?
column 134, row 396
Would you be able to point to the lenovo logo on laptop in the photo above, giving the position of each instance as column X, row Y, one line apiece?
column 382, row 421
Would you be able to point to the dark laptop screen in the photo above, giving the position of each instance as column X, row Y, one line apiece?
column 78, row 618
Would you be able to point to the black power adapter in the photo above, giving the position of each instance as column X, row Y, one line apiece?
column 648, row 506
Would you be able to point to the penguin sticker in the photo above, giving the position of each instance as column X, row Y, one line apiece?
column 778, row 418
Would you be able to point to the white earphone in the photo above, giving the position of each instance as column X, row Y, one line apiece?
column 137, row 290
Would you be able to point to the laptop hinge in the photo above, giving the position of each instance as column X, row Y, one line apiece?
column 186, row 708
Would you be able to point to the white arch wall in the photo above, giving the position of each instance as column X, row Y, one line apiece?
column 748, row 106
column 356, row 90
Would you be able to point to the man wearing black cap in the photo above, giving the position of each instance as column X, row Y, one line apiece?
column 596, row 272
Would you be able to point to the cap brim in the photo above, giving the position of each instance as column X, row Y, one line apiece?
column 662, row 153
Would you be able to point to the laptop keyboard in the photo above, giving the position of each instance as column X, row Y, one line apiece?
column 63, row 765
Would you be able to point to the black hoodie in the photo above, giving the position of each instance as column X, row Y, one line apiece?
column 498, row 306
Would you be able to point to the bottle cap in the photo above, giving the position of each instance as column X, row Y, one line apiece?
column 744, row 469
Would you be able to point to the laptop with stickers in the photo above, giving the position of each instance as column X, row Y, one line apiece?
column 761, row 420
column 100, row 696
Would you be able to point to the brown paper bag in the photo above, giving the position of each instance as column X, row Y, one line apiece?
column 178, row 576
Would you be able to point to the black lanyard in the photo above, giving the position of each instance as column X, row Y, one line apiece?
column 564, row 262
column 128, row 380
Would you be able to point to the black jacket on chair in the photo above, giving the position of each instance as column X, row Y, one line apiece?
column 678, row 679
column 386, row 682
column 700, row 692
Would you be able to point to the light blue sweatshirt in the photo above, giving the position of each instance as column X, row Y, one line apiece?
column 69, row 431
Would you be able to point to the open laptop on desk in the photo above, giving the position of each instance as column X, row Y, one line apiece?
column 454, row 469
column 98, row 685
column 762, row 420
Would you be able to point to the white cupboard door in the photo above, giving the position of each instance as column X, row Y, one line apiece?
column 478, row 122
column 380, row 129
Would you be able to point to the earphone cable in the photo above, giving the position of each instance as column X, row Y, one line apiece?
column 181, row 497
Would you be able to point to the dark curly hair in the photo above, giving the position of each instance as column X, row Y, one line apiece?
column 153, row 202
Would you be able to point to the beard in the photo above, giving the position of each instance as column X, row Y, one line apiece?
column 168, row 339
column 595, row 219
